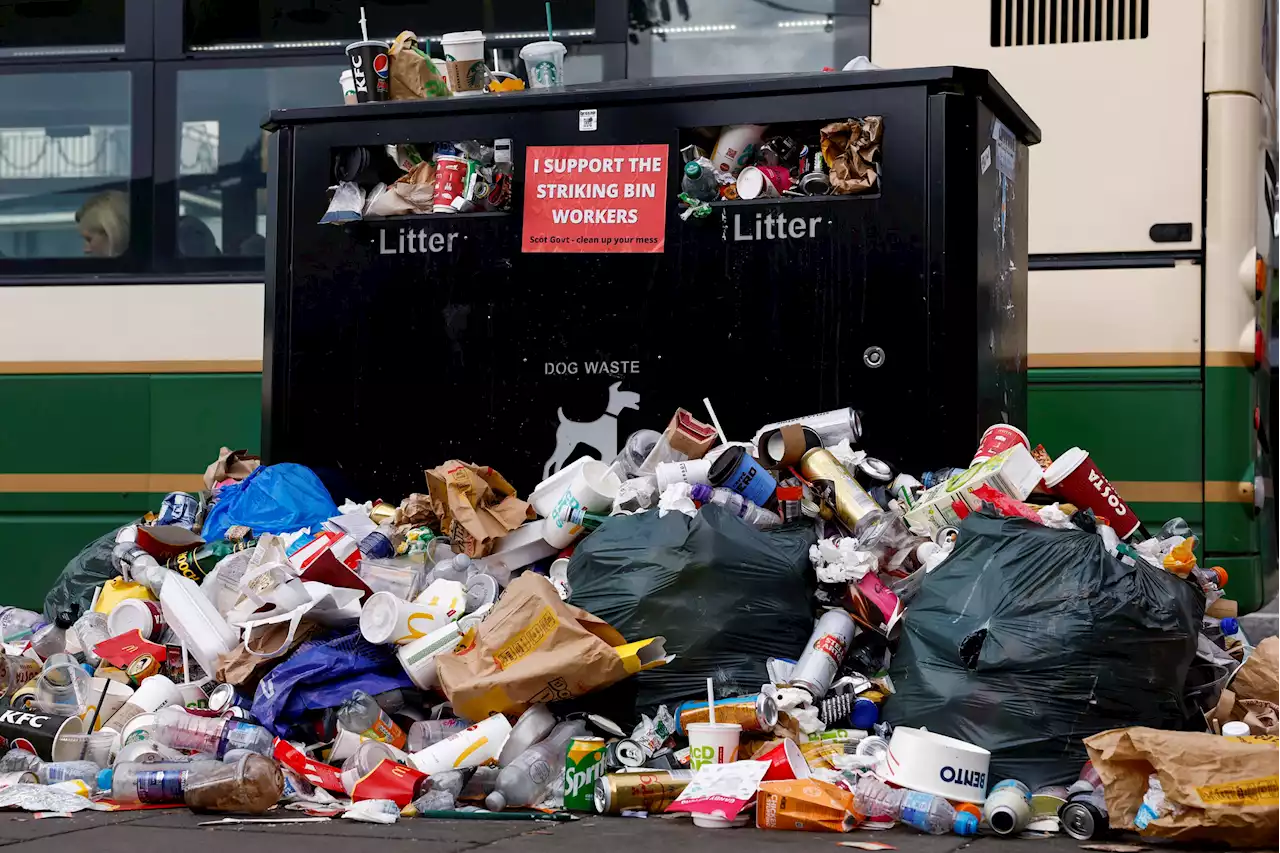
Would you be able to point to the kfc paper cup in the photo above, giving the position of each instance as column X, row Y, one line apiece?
column 1075, row 477
column 997, row 439
column 713, row 743
column 470, row 747
column 464, row 51
column 753, row 183
column 593, row 489
column 785, row 762
column 370, row 70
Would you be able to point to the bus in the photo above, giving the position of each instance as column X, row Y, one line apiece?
column 1152, row 276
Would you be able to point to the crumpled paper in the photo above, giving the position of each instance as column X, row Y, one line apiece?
column 850, row 149
column 798, row 704
column 234, row 465
column 675, row 498
column 838, row 560
column 475, row 505
column 1053, row 516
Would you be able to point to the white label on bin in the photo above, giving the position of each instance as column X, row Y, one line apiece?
column 586, row 119
column 986, row 159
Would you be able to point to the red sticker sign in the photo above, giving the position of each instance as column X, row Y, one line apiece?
column 595, row 198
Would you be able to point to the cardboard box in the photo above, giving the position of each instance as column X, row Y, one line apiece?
column 1014, row 472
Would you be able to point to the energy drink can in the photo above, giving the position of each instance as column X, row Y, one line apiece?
column 754, row 713
column 623, row 753
column 1085, row 816
column 649, row 790
column 823, row 653
column 583, row 766
column 225, row 699
column 179, row 509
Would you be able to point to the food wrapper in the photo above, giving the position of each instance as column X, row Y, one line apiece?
column 533, row 648
column 413, row 75
column 809, row 805
column 721, row 790
column 850, row 149
column 417, row 187
column 475, row 505
column 1228, row 788
column 1182, row 559
column 233, row 465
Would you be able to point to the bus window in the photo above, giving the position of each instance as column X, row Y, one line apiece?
column 64, row 165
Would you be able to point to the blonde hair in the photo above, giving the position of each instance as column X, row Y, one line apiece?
column 108, row 212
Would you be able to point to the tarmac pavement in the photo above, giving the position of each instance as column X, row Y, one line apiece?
column 177, row 831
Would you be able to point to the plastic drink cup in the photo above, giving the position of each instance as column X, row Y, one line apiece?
column 593, row 488
column 998, row 438
column 464, row 51
column 470, row 747
column 754, row 183
column 347, row 80
column 785, row 762
column 370, row 70
column 713, row 743
column 1076, row 477
column 544, row 63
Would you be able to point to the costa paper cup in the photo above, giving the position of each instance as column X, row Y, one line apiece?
column 735, row 147
column 779, row 176
column 464, row 52
column 1075, row 477
column 997, row 439
column 593, row 488
column 470, row 747
column 713, row 743
column 937, row 764
column 693, row 471
column 152, row 694
column 785, row 762
column 753, row 183
column 138, row 613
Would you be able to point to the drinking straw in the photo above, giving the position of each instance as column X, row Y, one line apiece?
column 711, row 703
column 706, row 401
column 364, row 28
column 550, row 37
column 84, row 748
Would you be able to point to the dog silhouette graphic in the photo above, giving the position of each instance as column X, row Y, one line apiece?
column 600, row 434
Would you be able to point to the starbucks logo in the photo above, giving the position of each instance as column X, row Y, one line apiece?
column 545, row 74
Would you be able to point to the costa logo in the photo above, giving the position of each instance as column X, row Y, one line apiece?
column 381, row 65
column 1103, row 488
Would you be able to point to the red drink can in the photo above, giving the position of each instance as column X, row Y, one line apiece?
column 1076, row 478
column 451, row 178
column 997, row 439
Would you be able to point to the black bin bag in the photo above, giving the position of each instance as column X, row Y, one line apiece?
column 726, row 596
column 1027, row 640
column 73, row 591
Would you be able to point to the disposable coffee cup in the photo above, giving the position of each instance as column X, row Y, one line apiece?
column 115, row 697
column 464, row 52
column 419, row 656
column 753, row 183
column 713, row 743
column 470, row 747
column 593, row 488
column 152, row 694
column 736, row 147
column 451, row 180
column 346, row 743
column 37, row 732
column 386, row 619
column 347, row 80
column 544, row 63
column 693, row 471
column 370, row 70
column 998, row 438
column 138, row 613
column 1075, row 477
column 785, row 762
column 442, row 68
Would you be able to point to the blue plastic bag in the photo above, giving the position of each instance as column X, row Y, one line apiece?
column 323, row 673
column 273, row 499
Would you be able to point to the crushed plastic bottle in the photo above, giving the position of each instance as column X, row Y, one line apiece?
column 215, row 735
column 362, row 715
column 18, row 625
column 1154, row 804
column 51, row 638
column 528, row 778
column 52, row 772
column 926, row 812
column 91, row 629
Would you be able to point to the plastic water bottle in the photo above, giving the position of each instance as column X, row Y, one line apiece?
column 150, row 782
column 1234, row 635
column 455, row 568
column 91, row 629
column 18, row 625
column 699, row 180
column 530, row 776
column 361, row 715
column 52, row 772
column 926, row 812
column 49, row 639
column 744, row 509
column 215, row 735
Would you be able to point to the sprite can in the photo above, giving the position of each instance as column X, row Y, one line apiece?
column 583, row 766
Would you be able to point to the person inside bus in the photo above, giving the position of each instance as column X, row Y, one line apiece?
column 104, row 224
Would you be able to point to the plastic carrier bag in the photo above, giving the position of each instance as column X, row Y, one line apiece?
column 1027, row 640
column 726, row 596
column 273, row 499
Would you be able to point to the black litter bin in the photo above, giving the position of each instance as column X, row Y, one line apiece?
column 393, row 345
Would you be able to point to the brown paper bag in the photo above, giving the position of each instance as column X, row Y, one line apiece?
column 1259, row 678
column 413, row 75
column 1258, row 714
column 475, row 505
column 241, row 669
column 850, row 149
column 230, row 465
column 1228, row 788
column 534, row 648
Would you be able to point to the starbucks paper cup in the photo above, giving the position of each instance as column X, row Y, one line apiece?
column 470, row 747
column 593, row 488
column 464, row 53
column 713, row 743
column 347, row 80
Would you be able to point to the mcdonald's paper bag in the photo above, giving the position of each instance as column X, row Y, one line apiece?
column 533, row 648
column 475, row 505
column 1226, row 789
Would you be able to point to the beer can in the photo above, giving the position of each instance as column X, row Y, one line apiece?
column 622, row 754
column 178, row 509
column 1085, row 816
column 853, row 505
column 754, row 713
column 650, row 790
column 823, row 653
column 583, row 765
column 224, row 698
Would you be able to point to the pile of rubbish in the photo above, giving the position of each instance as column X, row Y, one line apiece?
column 785, row 632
